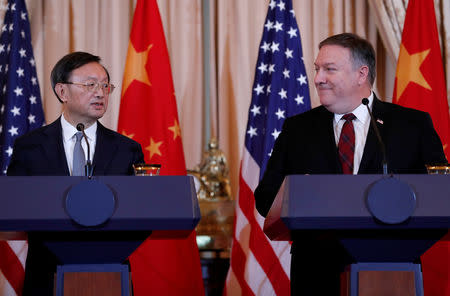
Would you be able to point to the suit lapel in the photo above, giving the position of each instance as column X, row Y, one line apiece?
column 53, row 148
column 371, row 159
column 105, row 148
column 329, row 144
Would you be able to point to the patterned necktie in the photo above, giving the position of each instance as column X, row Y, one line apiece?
column 79, row 159
column 346, row 144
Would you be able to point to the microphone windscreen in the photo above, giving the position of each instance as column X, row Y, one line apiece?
column 80, row 127
column 365, row 101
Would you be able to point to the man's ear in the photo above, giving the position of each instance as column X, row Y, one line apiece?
column 363, row 74
column 61, row 91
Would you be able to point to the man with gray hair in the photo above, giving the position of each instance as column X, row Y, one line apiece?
column 337, row 138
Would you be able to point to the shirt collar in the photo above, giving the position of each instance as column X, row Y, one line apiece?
column 69, row 130
column 360, row 112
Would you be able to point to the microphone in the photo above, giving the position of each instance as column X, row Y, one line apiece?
column 365, row 101
column 88, row 166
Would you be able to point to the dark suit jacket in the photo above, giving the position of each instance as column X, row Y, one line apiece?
column 41, row 153
column 307, row 145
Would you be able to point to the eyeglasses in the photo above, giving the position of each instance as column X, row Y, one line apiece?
column 107, row 88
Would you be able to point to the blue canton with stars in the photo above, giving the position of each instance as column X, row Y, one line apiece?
column 280, row 88
column 20, row 98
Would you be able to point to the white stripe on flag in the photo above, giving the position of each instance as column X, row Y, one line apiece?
column 233, row 287
column 282, row 249
column 260, row 219
column 20, row 248
column 250, row 170
column 242, row 231
column 5, row 287
column 256, row 278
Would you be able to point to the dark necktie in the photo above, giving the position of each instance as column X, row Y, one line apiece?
column 346, row 144
column 79, row 160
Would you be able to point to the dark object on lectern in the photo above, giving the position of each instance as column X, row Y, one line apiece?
column 376, row 218
column 62, row 210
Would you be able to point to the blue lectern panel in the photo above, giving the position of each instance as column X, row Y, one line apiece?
column 337, row 205
column 142, row 203
column 339, row 202
column 39, row 206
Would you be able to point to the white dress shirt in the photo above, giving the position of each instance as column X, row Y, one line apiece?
column 69, row 139
column 361, row 126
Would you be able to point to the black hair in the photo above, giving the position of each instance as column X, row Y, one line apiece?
column 63, row 69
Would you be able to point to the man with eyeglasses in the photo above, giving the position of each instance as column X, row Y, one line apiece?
column 82, row 84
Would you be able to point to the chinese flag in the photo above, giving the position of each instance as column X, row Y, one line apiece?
column 420, row 84
column 148, row 114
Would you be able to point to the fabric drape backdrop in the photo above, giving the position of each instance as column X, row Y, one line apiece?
column 102, row 27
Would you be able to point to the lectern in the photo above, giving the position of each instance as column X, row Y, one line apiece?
column 379, row 228
column 93, row 225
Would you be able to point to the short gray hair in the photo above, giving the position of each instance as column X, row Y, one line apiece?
column 361, row 50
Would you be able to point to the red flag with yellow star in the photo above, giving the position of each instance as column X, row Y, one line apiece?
column 420, row 80
column 148, row 114
column 420, row 84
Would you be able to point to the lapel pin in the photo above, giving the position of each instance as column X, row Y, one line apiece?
column 380, row 121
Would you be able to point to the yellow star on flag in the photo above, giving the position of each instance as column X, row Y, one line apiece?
column 175, row 128
column 127, row 135
column 135, row 67
column 408, row 69
column 154, row 148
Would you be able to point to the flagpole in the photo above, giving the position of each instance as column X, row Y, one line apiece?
column 206, row 72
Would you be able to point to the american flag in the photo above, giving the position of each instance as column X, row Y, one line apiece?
column 20, row 112
column 280, row 89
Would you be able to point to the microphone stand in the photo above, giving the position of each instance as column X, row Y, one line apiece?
column 389, row 200
column 365, row 101
column 88, row 168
